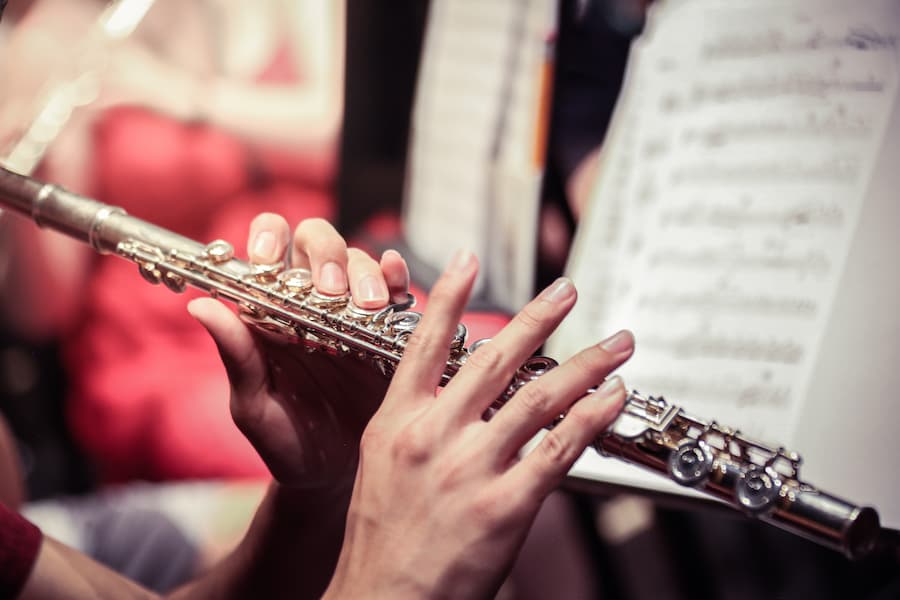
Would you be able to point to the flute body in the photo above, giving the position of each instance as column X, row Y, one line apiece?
column 760, row 480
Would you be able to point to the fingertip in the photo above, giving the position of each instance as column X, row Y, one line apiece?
column 215, row 317
column 620, row 343
column 319, row 245
column 560, row 291
column 198, row 308
column 611, row 398
column 268, row 238
column 391, row 259
column 611, row 387
column 461, row 270
column 463, row 261
column 396, row 275
column 332, row 278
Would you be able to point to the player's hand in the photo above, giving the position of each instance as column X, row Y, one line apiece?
column 441, row 503
column 304, row 412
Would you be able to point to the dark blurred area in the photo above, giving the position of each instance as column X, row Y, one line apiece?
column 383, row 49
column 32, row 393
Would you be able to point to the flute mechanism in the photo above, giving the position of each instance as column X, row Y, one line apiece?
column 761, row 481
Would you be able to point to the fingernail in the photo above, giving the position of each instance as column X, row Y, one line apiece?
column 332, row 279
column 612, row 386
column 559, row 290
column 371, row 288
column 619, row 342
column 460, row 260
column 390, row 251
column 264, row 246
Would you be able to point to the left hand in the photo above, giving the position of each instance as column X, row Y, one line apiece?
column 304, row 411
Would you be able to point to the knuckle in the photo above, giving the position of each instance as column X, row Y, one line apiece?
column 487, row 510
column 313, row 224
column 420, row 341
column 582, row 420
column 530, row 317
column 360, row 265
column 556, row 451
column 534, row 399
column 246, row 415
column 412, row 446
column 321, row 234
column 444, row 291
column 372, row 440
column 452, row 476
column 266, row 218
column 487, row 358
column 360, row 256
column 591, row 360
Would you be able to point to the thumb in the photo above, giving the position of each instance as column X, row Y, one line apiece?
column 243, row 360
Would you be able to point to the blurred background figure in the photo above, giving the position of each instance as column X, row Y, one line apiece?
column 196, row 116
column 204, row 115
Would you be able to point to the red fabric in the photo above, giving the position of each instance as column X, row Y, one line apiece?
column 148, row 394
column 149, row 398
column 20, row 541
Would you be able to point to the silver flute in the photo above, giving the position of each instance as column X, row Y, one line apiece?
column 761, row 481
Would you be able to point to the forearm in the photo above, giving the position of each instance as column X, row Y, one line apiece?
column 302, row 114
column 305, row 119
column 290, row 549
column 63, row 572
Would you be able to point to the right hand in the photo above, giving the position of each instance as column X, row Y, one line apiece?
column 441, row 505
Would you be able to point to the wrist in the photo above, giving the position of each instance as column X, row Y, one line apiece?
column 298, row 500
column 292, row 545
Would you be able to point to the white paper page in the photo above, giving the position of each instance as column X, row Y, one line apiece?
column 473, row 181
column 458, row 100
column 514, row 196
column 745, row 230
column 848, row 430
column 770, row 130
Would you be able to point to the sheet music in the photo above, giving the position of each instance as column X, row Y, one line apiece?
column 472, row 180
column 455, row 125
column 759, row 128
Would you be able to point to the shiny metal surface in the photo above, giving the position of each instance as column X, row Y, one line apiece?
column 760, row 480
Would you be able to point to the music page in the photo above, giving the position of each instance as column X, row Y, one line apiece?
column 473, row 180
column 734, row 177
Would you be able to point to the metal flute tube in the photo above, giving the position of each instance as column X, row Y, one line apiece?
column 100, row 225
column 800, row 509
column 761, row 481
column 106, row 228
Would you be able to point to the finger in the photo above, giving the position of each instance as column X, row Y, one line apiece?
column 269, row 237
column 541, row 401
column 396, row 274
column 367, row 284
column 243, row 360
column 320, row 248
column 542, row 470
column 489, row 369
column 428, row 348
